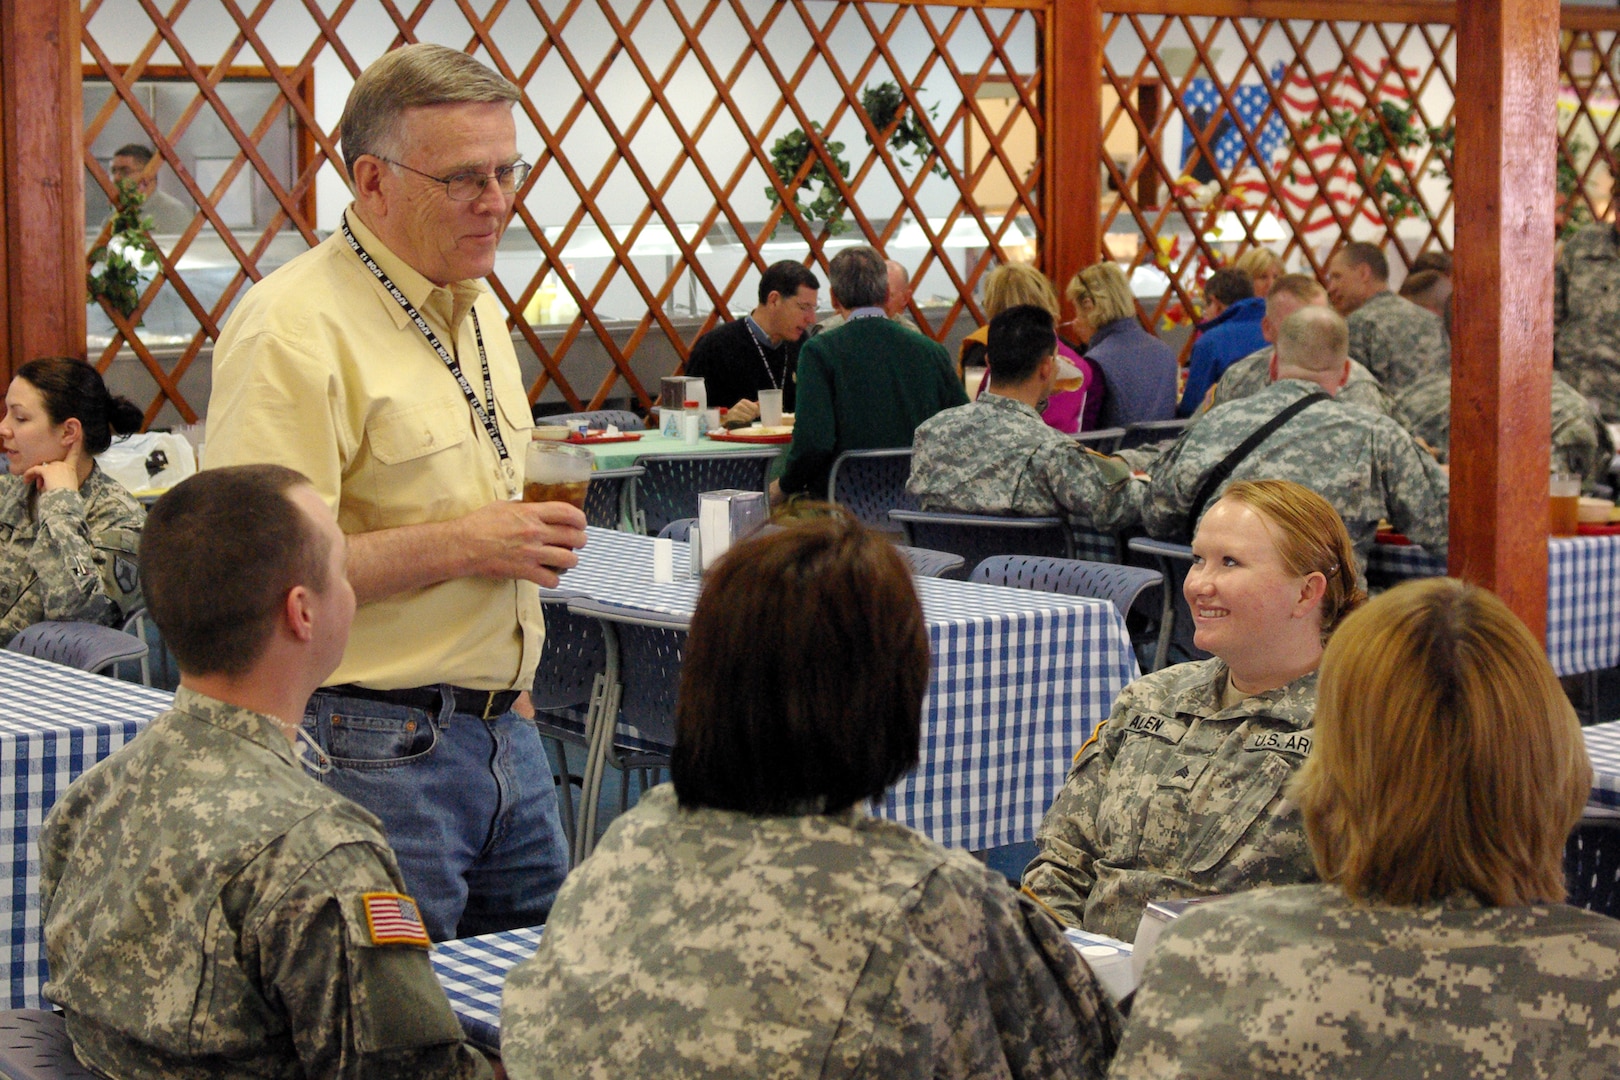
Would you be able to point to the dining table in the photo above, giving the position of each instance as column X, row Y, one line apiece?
column 1603, row 749
column 1583, row 595
column 1018, row 682
column 55, row 722
column 623, row 452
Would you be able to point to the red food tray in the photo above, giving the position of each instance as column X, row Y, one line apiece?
column 1587, row 528
column 1395, row 538
column 738, row 436
column 591, row 440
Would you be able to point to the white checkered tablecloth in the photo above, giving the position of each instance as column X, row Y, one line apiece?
column 1583, row 595
column 55, row 722
column 1019, row 680
column 1603, row 747
column 472, row 972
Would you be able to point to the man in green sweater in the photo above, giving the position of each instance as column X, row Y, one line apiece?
column 865, row 385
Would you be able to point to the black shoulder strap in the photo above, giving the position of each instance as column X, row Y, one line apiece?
column 1218, row 475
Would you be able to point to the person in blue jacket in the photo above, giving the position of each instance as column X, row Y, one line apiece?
column 1230, row 333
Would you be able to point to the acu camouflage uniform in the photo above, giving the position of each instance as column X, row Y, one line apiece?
column 1397, row 340
column 1580, row 441
column 717, row 944
column 1252, row 374
column 1176, row 797
column 1367, row 466
column 997, row 456
column 1586, row 316
column 203, row 916
column 71, row 555
column 1301, row 982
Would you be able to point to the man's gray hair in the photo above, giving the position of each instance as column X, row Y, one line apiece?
column 859, row 278
column 408, row 77
column 1313, row 339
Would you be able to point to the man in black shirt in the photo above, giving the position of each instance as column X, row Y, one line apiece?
column 738, row 359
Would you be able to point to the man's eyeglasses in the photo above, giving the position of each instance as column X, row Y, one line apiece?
column 467, row 186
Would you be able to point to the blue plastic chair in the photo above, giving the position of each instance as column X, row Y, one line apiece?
column 623, row 419
column 1126, row 586
column 668, row 489
column 610, row 500
column 870, row 483
column 86, row 646
column 926, row 563
column 572, row 662
column 1592, row 866
column 34, row 1045
column 976, row 537
column 631, row 721
column 1175, row 621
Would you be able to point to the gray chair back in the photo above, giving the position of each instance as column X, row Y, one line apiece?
column 669, row 486
column 870, row 483
column 85, row 646
column 976, row 537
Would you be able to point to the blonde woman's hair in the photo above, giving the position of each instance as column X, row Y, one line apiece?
column 1105, row 288
column 1257, row 261
column 1446, row 757
column 1019, row 283
column 1311, row 539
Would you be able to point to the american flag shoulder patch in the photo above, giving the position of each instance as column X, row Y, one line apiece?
column 392, row 919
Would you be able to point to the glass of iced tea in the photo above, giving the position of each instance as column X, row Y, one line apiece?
column 556, row 472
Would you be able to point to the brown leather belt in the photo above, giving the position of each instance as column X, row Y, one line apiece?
column 484, row 704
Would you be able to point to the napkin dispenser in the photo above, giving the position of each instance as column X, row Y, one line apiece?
column 725, row 518
column 674, row 392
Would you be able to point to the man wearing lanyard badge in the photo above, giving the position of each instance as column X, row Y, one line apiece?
column 377, row 365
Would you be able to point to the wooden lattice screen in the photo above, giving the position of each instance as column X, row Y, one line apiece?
column 1222, row 132
column 672, row 107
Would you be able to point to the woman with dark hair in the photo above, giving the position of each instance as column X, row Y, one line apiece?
column 69, row 533
column 1180, row 793
column 752, row 920
column 1448, row 771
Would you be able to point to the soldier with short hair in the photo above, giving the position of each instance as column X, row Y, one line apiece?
column 1366, row 465
column 209, row 909
column 997, row 456
column 1396, row 339
column 1258, row 370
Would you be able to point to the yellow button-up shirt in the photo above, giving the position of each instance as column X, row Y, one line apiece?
column 319, row 369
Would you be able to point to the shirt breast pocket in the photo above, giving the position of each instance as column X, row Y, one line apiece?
column 1230, row 803
column 419, row 462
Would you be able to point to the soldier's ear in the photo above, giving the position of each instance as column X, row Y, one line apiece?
column 1311, row 594
column 72, row 433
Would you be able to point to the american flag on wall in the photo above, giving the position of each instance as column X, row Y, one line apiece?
column 1306, row 99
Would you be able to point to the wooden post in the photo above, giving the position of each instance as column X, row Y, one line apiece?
column 1072, row 144
column 42, row 175
column 1507, row 75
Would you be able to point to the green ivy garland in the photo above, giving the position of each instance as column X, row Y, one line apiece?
column 788, row 155
column 126, row 251
column 883, row 105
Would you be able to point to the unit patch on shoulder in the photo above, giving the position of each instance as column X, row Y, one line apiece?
column 392, row 919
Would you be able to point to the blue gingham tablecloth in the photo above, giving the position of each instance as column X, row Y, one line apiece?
column 1603, row 747
column 472, row 972
column 1583, row 595
column 55, row 722
column 1019, row 681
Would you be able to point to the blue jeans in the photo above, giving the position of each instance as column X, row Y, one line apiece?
column 468, row 805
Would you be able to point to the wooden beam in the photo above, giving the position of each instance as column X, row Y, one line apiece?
column 1072, row 141
column 1388, row 11
column 43, row 180
column 1507, row 72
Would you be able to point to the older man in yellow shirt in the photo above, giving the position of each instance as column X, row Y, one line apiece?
column 378, row 366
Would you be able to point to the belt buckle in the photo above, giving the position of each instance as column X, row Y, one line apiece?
column 489, row 703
